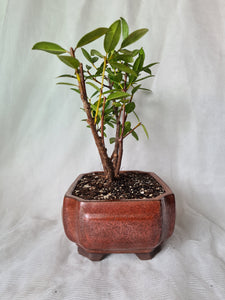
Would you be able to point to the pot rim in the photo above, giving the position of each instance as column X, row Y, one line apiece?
column 157, row 178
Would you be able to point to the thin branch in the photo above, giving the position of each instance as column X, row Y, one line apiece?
column 102, row 120
column 131, row 98
column 125, row 83
column 101, row 89
column 107, row 86
column 106, row 162
column 114, row 156
column 123, row 122
column 132, row 130
column 120, row 150
column 72, row 52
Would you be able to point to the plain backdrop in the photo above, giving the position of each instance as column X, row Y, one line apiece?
column 45, row 146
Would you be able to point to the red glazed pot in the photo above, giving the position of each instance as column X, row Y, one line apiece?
column 100, row 227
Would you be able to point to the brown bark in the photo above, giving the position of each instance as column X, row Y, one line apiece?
column 102, row 121
column 106, row 162
column 116, row 147
column 120, row 137
column 132, row 130
column 120, row 148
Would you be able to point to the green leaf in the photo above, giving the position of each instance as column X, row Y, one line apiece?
column 93, row 85
column 112, row 36
column 150, row 65
column 110, row 71
column 49, row 47
column 123, row 68
column 93, row 107
column 110, row 91
column 147, row 90
column 128, row 52
column 66, row 83
column 67, row 75
column 94, row 59
column 94, row 94
column 143, row 78
column 129, row 107
column 125, row 28
column 91, row 36
column 136, row 116
column 125, row 51
column 135, row 52
column 117, row 104
column 93, row 76
column 110, row 124
column 145, row 130
column 112, row 140
column 76, row 90
column 107, row 104
column 116, row 78
column 113, row 120
column 86, row 55
column 95, row 52
column 124, row 57
column 127, row 127
column 70, row 61
column 134, row 134
column 124, row 101
column 135, row 89
column 88, row 67
column 99, row 70
column 138, row 64
column 117, row 95
column 133, row 37
column 147, row 70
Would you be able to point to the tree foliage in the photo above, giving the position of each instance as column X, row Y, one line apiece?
column 114, row 78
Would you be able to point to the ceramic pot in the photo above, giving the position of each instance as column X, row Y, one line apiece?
column 100, row 227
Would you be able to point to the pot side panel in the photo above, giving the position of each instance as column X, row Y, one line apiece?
column 69, row 214
column 120, row 226
column 169, row 215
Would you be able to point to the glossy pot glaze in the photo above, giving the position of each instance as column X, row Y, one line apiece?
column 100, row 227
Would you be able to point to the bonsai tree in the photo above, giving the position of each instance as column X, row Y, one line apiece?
column 115, row 77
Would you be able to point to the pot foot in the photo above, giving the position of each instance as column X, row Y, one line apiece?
column 90, row 255
column 149, row 255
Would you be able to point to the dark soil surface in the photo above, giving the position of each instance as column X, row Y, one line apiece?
column 130, row 185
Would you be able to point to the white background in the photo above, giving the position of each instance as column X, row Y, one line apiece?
column 44, row 147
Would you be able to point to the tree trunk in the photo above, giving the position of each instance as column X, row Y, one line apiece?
column 106, row 161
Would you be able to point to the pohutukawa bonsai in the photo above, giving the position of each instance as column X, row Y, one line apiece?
column 123, row 211
column 115, row 77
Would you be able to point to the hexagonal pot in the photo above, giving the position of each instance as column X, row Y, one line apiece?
column 100, row 227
